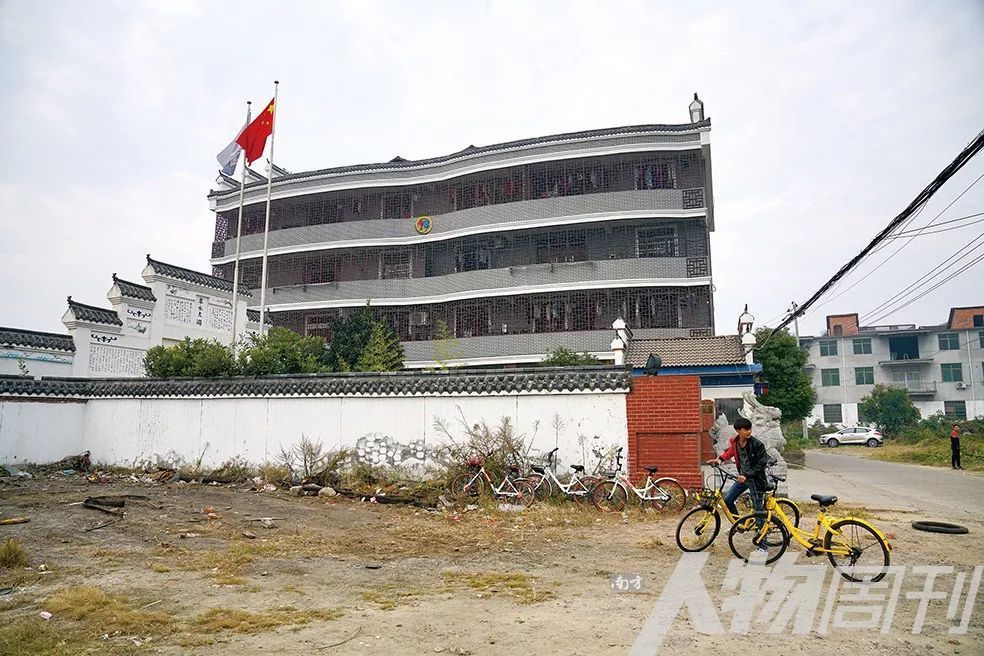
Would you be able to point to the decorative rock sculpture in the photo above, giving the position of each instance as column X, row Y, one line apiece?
column 765, row 426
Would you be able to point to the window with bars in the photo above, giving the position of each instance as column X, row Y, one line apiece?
column 832, row 413
column 828, row 347
column 951, row 372
column 955, row 409
column 864, row 375
column 862, row 346
column 830, row 377
column 656, row 242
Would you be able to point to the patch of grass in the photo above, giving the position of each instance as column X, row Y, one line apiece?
column 29, row 636
column 12, row 554
column 103, row 613
column 273, row 473
column 390, row 596
column 240, row 621
column 513, row 584
column 933, row 451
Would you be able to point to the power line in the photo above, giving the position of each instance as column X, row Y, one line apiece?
column 941, row 223
column 939, row 284
column 919, row 201
column 932, row 273
column 917, row 232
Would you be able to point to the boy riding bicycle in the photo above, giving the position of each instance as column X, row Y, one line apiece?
column 751, row 460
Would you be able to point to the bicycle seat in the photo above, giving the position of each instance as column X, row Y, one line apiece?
column 824, row 499
column 538, row 470
column 578, row 468
column 514, row 469
column 652, row 469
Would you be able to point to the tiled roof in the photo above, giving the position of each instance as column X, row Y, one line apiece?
column 687, row 351
column 196, row 277
column 398, row 162
column 600, row 379
column 93, row 314
column 133, row 290
column 36, row 339
column 254, row 316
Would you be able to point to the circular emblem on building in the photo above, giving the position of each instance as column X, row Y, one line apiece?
column 424, row 225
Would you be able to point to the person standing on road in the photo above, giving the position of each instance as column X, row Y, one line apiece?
column 955, row 447
column 751, row 460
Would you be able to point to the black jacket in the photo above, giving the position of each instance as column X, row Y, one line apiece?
column 752, row 462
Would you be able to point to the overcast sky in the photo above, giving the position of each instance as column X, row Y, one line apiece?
column 827, row 119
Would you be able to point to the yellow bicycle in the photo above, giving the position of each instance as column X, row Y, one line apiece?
column 857, row 550
column 699, row 527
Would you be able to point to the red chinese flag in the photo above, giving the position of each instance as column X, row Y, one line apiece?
column 253, row 139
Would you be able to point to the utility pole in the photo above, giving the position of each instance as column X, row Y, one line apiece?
column 796, row 328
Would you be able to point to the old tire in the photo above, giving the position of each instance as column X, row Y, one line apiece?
column 940, row 527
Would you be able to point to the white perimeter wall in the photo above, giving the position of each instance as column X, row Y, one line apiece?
column 127, row 431
column 32, row 431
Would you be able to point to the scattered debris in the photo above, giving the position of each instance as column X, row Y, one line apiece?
column 327, row 491
column 249, row 536
column 5, row 591
column 10, row 470
column 68, row 472
column 153, row 603
column 14, row 520
column 470, row 507
column 269, row 487
column 103, row 525
column 342, row 642
column 267, row 523
column 45, row 615
column 373, row 566
column 100, row 503
column 185, row 536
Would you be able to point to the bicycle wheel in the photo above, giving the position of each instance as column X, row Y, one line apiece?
column 467, row 485
column 698, row 529
column 581, row 490
column 609, row 496
column 867, row 555
column 763, row 544
column 518, row 494
column 791, row 509
column 542, row 487
column 678, row 496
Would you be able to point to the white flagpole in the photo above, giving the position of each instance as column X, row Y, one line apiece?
column 239, row 236
column 266, row 227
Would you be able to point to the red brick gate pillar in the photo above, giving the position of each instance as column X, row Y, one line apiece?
column 664, row 423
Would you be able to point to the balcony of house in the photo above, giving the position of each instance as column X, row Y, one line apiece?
column 530, row 278
column 917, row 387
column 903, row 351
column 522, row 215
column 685, row 311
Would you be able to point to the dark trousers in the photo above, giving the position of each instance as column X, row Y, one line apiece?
column 736, row 491
column 955, row 453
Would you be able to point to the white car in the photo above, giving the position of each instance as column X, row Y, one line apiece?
column 853, row 435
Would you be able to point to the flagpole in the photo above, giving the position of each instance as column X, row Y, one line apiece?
column 239, row 236
column 266, row 227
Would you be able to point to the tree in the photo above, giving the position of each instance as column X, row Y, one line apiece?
column 445, row 345
column 889, row 408
column 199, row 358
column 782, row 360
column 282, row 351
column 383, row 351
column 565, row 357
column 349, row 338
column 352, row 336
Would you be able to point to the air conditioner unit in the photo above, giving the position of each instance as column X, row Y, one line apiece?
column 961, row 385
column 418, row 318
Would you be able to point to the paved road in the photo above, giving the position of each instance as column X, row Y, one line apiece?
column 877, row 484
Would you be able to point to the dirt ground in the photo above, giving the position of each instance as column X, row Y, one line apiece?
column 337, row 576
